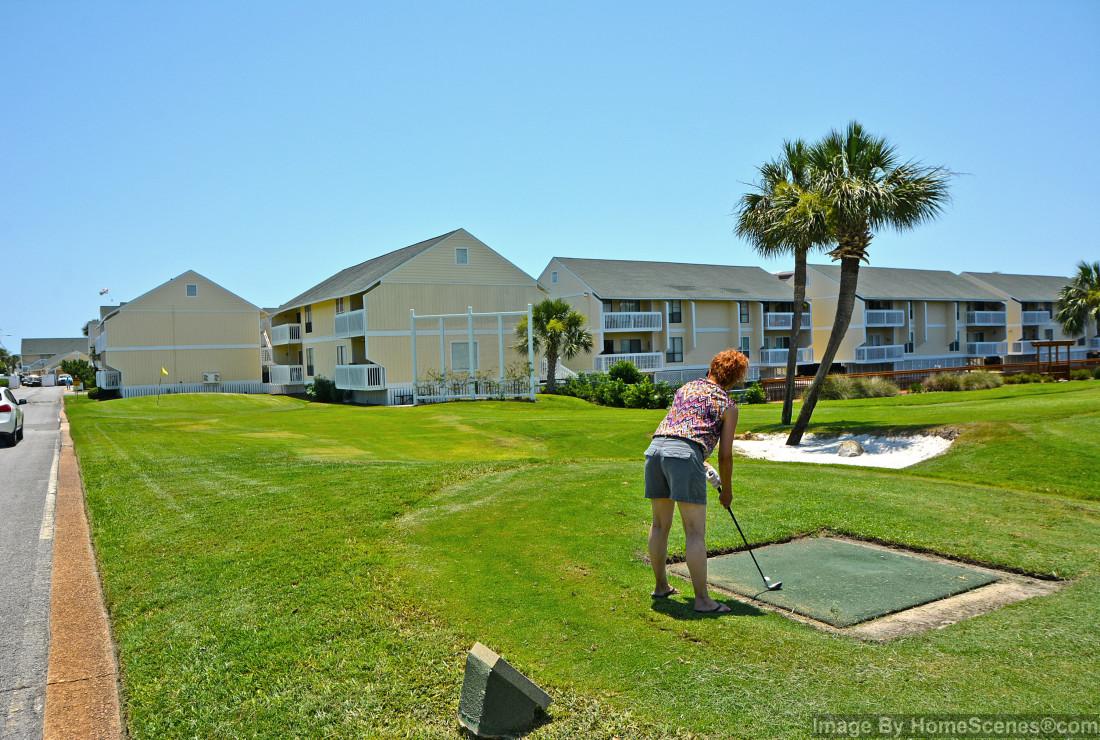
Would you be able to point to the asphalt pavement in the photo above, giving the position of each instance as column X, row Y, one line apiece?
column 28, row 485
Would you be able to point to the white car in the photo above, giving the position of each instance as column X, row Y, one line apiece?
column 11, row 416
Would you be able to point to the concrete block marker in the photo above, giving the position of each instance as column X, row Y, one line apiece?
column 497, row 700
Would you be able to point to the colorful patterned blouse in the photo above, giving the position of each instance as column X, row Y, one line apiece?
column 696, row 414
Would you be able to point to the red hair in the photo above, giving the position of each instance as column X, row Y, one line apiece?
column 729, row 368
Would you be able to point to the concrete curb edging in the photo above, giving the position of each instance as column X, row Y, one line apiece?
column 82, row 697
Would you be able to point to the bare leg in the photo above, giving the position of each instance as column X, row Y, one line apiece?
column 663, row 509
column 694, row 517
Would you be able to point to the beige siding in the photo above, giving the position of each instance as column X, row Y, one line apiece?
column 185, row 366
column 437, row 265
column 568, row 284
column 388, row 305
column 173, row 295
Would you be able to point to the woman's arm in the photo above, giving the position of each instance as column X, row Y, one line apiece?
column 725, row 454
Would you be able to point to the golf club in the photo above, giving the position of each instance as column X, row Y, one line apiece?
column 767, row 581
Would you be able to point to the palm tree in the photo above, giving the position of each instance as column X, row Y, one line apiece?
column 784, row 216
column 865, row 187
column 1079, row 302
column 557, row 331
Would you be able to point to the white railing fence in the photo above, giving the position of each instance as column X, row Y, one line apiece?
column 351, row 324
column 884, row 318
column 781, row 320
column 267, row 357
column 644, row 361
column 986, row 348
column 986, row 318
column 286, row 374
column 108, row 379
column 632, row 321
column 360, row 377
column 779, row 356
column 1035, row 317
column 885, row 353
column 286, row 333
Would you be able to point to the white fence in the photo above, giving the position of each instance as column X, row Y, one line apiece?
column 1035, row 317
column 644, row 361
column 986, row 318
column 238, row 386
column 286, row 333
column 360, row 377
column 632, row 321
column 781, row 320
column 884, row 318
column 779, row 356
column 885, row 353
column 286, row 374
column 351, row 324
column 986, row 348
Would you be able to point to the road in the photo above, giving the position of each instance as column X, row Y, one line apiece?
column 28, row 482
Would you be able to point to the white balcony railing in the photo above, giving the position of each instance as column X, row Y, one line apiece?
column 360, row 377
column 108, row 378
column 100, row 345
column 985, row 318
column 285, row 334
column 779, row 356
column 986, row 348
column 351, row 324
column 267, row 357
column 286, row 374
column 1023, row 347
column 884, row 318
column 1031, row 318
column 646, row 361
column 632, row 321
column 781, row 320
column 884, row 353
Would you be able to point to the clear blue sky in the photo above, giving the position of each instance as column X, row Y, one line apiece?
column 268, row 145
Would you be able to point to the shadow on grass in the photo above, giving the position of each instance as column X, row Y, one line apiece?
column 685, row 610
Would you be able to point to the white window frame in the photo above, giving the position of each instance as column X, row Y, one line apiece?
column 462, row 255
column 192, row 290
column 309, row 362
column 341, row 352
column 554, row 277
column 339, row 305
column 457, row 366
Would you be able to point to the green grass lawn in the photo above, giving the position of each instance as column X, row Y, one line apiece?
column 280, row 569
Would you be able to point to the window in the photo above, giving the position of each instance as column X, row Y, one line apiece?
column 609, row 346
column 309, row 361
column 874, row 340
column 462, row 256
column 675, row 349
column 554, row 277
column 606, row 306
column 880, row 305
column 1048, row 334
column 767, row 343
column 910, row 310
column 192, row 290
column 340, row 355
column 743, row 313
column 782, row 342
column 309, row 320
column 745, row 346
column 911, row 345
column 630, row 346
column 634, row 306
column 460, row 357
column 675, row 312
column 339, row 305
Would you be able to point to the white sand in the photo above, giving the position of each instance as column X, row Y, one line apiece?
column 879, row 452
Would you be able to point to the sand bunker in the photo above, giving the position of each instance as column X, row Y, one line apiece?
column 879, row 452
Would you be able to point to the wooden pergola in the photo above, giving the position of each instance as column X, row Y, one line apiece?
column 1053, row 346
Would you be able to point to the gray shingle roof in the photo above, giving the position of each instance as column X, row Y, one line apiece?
column 676, row 280
column 53, row 346
column 895, row 283
column 358, row 278
column 1032, row 288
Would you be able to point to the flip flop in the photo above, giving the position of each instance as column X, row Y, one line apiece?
column 720, row 609
column 666, row 594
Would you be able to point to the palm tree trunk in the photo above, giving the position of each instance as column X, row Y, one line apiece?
column 796, row 326
column 849, row 273
column 551, row 369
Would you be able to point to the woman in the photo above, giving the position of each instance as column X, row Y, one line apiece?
column 702, row 416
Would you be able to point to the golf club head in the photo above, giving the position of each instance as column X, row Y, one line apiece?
column 775, row 586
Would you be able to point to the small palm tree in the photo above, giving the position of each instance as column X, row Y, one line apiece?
column 865, row 187
column 786, row 216
column 1079, row 302
column 557, row 331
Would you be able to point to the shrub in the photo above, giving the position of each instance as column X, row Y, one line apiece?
column 982, row 380
column 755, row 394
column 916, row 387
column 625, row 371
column 1096, row 372
column 3, row 382
column 323, row 390
column 1081, row 374
column 836, row 388
column 874, row 387
column 1048, row 379
column 943, row 382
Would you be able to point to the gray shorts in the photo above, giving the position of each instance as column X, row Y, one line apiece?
column 674, row 469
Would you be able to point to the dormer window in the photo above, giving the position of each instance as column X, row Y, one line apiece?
column 192, row 290
column 462, row 256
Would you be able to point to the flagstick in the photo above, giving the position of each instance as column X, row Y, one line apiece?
column 158, row 390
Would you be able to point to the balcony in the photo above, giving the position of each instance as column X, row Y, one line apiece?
column 267, row 357
column 632, row 321
column 108, row 379
column 351, row 324
column 1031, row 318
column 360, row 377
column 1023, row 347
column 979, row 349
column 885, row 353
column 773, row 357
column 100, row 345
column 645, row 361
column 286, row 374
column 780, row 320
column 285, row 334
column 985, row 318
column 884, row 318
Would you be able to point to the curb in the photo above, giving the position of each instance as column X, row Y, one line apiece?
column 82, row 696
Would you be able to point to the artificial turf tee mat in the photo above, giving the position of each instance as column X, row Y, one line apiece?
column 841, row 583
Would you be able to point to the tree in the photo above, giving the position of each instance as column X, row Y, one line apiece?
column 786, row 216
column 8, row 361
column 865, row 187
column 557, row 331
column 1079, row 302
column 80, row 370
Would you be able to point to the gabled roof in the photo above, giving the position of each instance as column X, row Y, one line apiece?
column 358, row 278
column 1031, row 288
column 676, row 280
column 53, row 346
column 895, row 283
column 106, row 312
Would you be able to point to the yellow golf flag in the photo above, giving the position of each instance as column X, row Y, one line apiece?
column 163, row 371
